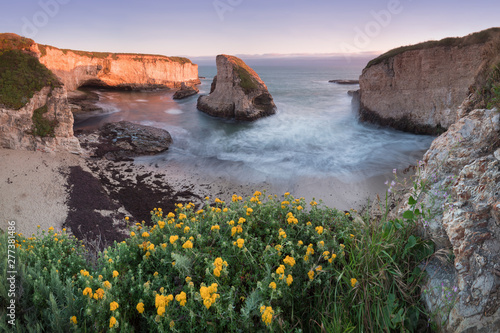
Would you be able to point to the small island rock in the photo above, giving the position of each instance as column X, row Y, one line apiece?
column 185, row 91
column 237, row 92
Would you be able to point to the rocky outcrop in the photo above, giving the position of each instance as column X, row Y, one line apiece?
column 419, row 88
column 462, row 167
column 237, row 92
column 123, row 140
column 185, row 91
column 19, row 128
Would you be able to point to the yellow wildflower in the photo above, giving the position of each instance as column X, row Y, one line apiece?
column 299, row 208
column 215, row 227
column 289, row 261
column 172, row 324
column 164, row 245
column 181, row 298
column 240, row 242
column 272, row 285
column 289, row 279
column 186, row 229
column 208, row 294
column 300, row 243
column 282, row 233
column 87, row 291
column 132, row 234
column 311, row 275
column 342, row 246
column 182, row 216
column 106, row 284
column 319, row 230
column 249, row 211
column 313, row 203
column 73, row 320
column 287, row 194
column 309, row 223
column 161, row 311
column 267, row 314
column 140, row 307
column 145, row 234
column 353, row 282
column 173, row 239
column 112, row 322
column 187, row 245
column 115, row 273
column 319, row 268
column 99, row 293
column 84, row 272
column 241, row 220
column 113, row 306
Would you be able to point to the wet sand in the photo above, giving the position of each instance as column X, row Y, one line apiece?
column 92, row 197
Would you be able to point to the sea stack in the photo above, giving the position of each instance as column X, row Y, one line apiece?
column 237, row 92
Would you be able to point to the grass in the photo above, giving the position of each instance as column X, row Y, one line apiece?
column 245, row 73
column 307, row 268
column 472, row 39
column 21, row 75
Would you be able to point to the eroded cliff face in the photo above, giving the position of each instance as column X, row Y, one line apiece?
column 123, row 71
column 420, row 88
column 17, row 127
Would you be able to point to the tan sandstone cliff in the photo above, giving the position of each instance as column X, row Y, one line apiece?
column 237, row 92
column 419, row 88
column 17, row 126
column 125, row 71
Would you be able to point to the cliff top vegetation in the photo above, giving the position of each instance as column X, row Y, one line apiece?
column 245, row 73
column 472, row 39
column 21, row 75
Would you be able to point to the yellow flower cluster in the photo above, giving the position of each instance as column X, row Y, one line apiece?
column 115, row 274
column 272, row 285
column 106, row 284
column 311, row 275
column 187, row 245
column 218, row 264
column 353, row 282
column 161, row 302
column 208, row 294
column 309, row 251
column 73, row 320
column 173, row 239
column 282, row 233
column 241, row 220
column 319, row 230
column 236, row 198
column 289, row 261
column 99, row 294
column 267, row 314
column 238, row 229
column 239, row 242
column 87, row 292
column 291, row 219
column 112, row 322
column 181, row 298
column 140, row 307
column 215, row 227
column 249, row 211
column 281, row 271
column 84, row 272
column 289, row 279
column 113, row 306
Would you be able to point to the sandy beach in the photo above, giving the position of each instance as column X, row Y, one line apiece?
column 92, row 197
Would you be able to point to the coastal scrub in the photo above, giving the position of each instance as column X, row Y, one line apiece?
column 287, row 266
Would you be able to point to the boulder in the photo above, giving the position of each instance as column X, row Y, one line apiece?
column 185, row 91
column 123, row 140
column 237, row 92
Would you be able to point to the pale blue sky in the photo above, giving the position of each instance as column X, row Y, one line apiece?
column 210, row 27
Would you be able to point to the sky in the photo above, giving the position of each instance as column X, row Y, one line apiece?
column 204, row 28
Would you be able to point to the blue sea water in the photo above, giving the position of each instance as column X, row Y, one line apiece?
column 315, row 133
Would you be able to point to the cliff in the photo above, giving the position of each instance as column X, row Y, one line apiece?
column 419, row 88
column 237, row 92
column 44, row 123
column 115, row 70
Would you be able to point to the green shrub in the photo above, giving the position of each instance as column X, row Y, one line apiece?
column 42, row 126
column 21, row 75
column 262, row 264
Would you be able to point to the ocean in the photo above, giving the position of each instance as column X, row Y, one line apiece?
column 314, row 135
